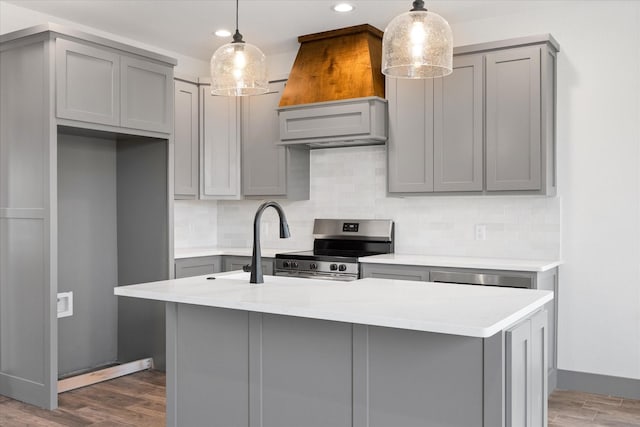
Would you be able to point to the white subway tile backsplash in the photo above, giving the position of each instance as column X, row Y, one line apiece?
column 351, row 183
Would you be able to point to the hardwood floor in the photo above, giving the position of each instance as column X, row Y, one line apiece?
column 572, row 409
column 139, row 400
column 134, row 400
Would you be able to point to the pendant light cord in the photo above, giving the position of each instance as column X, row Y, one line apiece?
column 237, row 37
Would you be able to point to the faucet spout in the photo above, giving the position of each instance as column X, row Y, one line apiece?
column 256, row 258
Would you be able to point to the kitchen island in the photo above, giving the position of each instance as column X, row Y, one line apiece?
column 372, row 352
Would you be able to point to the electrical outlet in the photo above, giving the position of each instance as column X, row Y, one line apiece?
column 481, row 232
column 65, row 304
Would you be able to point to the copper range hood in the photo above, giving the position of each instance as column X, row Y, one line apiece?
column 335, row 92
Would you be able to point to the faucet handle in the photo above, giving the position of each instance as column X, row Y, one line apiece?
column 246, row 268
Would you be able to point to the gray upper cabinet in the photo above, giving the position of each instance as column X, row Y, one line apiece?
column 457, row 127
column 435, row 131
column 269, row 169
column 410, row 146
column 186, row 140
column 513, row 120
column 146, row 92
column 88, row 83
column 100, row 86
column 487, row 127
column 220, row 146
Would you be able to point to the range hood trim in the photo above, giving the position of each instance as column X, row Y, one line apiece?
column 328, row 124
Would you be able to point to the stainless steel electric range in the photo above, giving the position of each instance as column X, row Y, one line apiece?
column 337, row 245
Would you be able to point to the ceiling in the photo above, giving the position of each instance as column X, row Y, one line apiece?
column 187, row 26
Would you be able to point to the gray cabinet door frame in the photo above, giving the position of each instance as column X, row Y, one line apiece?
column 264, row 162
column 186, row 141
column 28, row 224
column 219, row 146
column 518, row 388
column 147, row 106
column 88, row 83
column 513, row 119
column 458, row 127
column 410, row 145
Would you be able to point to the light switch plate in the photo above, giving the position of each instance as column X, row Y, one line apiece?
column 65, row 304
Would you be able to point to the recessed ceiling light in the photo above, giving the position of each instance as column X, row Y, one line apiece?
column 342, row 7
column 223, row 33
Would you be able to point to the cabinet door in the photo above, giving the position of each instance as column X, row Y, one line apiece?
column 220, row 147
column 188, row 267
column 513, row 119
column 147, row 95
column 518, row 390
column 410, row 145
column 395, row 272
column 457, row 127
column 539, row 369
column 87, row 83
column 264, row 162
column 185, row 176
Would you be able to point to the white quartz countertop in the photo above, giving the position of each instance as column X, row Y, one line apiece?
column 397, row 259
column 475, row 311
column 463, row 262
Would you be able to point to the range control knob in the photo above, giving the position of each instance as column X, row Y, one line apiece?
column 286, row 264
column 294, row 264
column 333, row 267
column 313, row 266
column 342, row 267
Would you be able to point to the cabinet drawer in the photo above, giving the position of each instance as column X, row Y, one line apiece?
column 198, row 266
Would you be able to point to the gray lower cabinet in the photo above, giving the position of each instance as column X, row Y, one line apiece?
column 198, row 266
column 219, row 146
column 186, row 141
column 268, row 169
column 259, row 369
column 98, row 85
column 233, row 263
column 394, row 272
column 488, row 127
column 435, row 131
column 547, row 280
column 526, row 367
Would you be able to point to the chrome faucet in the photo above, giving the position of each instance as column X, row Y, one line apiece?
column 256, row 258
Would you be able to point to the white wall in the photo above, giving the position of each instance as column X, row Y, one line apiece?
column 14, row 18
column 599, row 184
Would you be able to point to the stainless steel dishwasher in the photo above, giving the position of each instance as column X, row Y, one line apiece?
column 478, row 278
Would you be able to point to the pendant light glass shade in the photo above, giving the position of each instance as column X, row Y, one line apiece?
column 417, row 45
column 238, row 68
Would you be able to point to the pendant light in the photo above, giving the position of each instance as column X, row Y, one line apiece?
column 417, row 45
column 238, row 68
